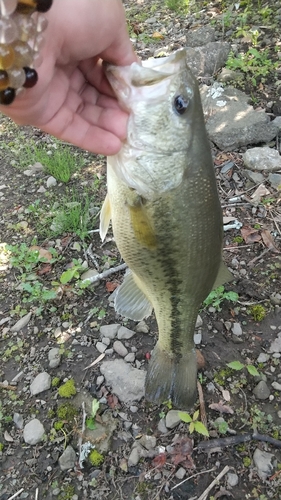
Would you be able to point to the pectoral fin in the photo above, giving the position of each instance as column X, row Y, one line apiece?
column 223, row 276
column 130, row 301
column 141, row 224
column 105, row 217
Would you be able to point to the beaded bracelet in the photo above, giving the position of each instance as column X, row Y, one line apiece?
column 21, row 27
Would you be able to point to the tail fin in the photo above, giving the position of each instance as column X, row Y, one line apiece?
column 172, row 378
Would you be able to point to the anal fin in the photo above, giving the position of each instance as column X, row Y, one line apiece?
column 130, row 301
column 105, row 217
column 223, row 276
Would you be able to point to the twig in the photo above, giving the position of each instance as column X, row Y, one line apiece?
column 99, row 358
column 105, row 274
column 194, row 475
column 202, row 405
column 92, row 256
column 258, row 257
column 234, row 440
column 84, row 416
column 37, row 494
column 8, row 387
column 213, row 483
column 16, row 494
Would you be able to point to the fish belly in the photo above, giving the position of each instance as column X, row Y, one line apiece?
column 172, row 244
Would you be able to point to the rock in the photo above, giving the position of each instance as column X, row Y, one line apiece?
column 255, row 177
column 261, row 391
column 54, row 357
column 87, row 275
column 102, row 434
column 229, row 75
column 172, row 419
column 142, row 327
column 126, row 382
column 181, row 472
column 101, row 347
column 124, row 333
column 200, row 36
column 197, row 338
column 109, row 331
column 120, row 348
column 162, row 426
column 275, row 298
column 232, row 479
column 276, row 344
column 148, row 442
column 205, row 61
column 130, row 358
column 134, row 457
column 263, row 462
column 275, row 181
column 68, row 459
column 199, row 322
column 264, row 158
column 231, row 121
column 19, row 325
column 263, row 357
column 236, row 329
column 41, row 383
column 33, row 432
column 276, row 386
column 51, row 181
column 18, row 420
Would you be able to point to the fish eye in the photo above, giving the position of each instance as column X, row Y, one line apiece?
column 181, row 104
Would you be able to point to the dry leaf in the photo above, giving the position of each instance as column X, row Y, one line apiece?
column 268, row 240
column 110, row 286
column 259, row 193
column 182, row 450
column 250, row 235
column 221, row 408
column 44, row 269
column 8, row 437
column 160, row 460
column 112, row 401
column 45, row 254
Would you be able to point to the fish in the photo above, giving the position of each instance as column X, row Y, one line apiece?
column 163, row 203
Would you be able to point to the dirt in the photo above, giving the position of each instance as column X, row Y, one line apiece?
column 74, row 318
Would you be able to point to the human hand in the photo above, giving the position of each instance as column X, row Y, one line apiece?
column 72, row 99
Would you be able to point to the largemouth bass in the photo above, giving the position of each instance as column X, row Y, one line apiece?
column 166, row 216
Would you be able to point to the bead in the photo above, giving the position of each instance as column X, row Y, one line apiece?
column 7, row 7
column 40, row 21
column 37, row 59
column 8, row 30
column 7, row 56
column 38, row 43
column 16, row 77
column 4, row 80
column 31, row 77
column 7, row 96
column 26, row 27
column 23, row 54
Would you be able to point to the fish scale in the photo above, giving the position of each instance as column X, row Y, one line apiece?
column 166, row 217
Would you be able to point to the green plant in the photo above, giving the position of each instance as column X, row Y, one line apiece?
column 217, row 296
column 247, row 461
column 68, row 389
column 237, row 366
column 194, row 423
column 1, row 447
column 27, row 258
column 221, row 426
column 67, row 493
column 254, row 63
column 95, row 458
column 71, row 216
column 66, row 412
column 55, row 381
column 258, row 312
column 238, row 239
column 178, row 5
column 90, row 421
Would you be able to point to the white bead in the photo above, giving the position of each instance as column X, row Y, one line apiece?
column 7, row 7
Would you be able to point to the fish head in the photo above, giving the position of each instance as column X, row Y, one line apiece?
column 162, row 98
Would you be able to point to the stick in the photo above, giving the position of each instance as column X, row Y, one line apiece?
column 213, row 483
column 105, row 274
column 234, row 440
column 101, row 356
column 194, row 475
column 83, row 430
column 37, row 494
column 16, row 494
column 202, row 405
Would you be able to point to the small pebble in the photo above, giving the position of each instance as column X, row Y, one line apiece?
column 124, row 333
column 172, row 419
column 232, row 479
column 101, row 347
column 263, row 357
column 276, row 386
column 181, row 472
column 236, row 329
column 120, row 348
column 142, row 327
column 130, row 358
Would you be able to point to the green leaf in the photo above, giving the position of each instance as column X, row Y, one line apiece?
column 185, row 417
column 68, row 275
column 90, row 423
column 191, row 427
column 235, row 365
column 195, row 415
column 252, row 370
column 95, row 407
column 201, row 429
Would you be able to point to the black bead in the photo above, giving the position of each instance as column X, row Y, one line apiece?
column 7, row 96
column 43, row 5
column 31, row 77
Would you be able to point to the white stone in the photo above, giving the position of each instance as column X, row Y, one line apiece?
column 51, row 181
column 54, row 357
column 172, row 419
column 101, row 347
column 124, row 333
column 41, row 383
column 263, row 357
column 276, row 386
column 130, row 358
column 19, row 325
column 126, row 382
column 236, row 329
column 109, row 331
column 33, row 432
column 120, row 348
column 68, row 459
